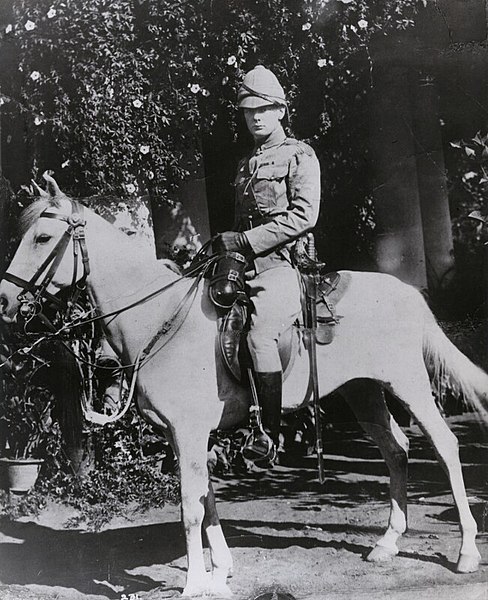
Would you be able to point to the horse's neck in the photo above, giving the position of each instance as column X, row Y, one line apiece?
column 121, row 274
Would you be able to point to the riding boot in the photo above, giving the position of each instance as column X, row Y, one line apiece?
column 262, row 445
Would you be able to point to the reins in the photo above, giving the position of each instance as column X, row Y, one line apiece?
column 171, row 327
column 32, row 306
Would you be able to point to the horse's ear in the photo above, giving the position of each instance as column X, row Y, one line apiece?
column 40, row 192
column 53, row 187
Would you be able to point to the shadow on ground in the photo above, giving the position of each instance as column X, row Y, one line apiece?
column 35, row 554
column 78, row 560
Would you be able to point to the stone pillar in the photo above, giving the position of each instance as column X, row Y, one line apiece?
column 400, row 245
column 432, row 187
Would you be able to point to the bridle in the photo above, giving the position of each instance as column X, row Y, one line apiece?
column 34, row 294
column 34, row 291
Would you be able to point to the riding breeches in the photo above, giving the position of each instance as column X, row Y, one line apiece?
column 275, row 294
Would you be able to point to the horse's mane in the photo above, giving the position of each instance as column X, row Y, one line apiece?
column 31, row 213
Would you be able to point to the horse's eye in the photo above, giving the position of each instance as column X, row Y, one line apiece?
column 43, row 238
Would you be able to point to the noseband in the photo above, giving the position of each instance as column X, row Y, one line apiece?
column 34, row 292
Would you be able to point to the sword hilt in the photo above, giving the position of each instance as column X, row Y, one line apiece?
column 311, row 250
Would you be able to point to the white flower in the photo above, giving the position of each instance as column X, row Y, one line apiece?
column 306, row 26
column 150, row 175
column 144, row 149
column 362, row 23
column 137, row 103
column 231, row 60
column 195, row 88
column 38, row 121
column 35, row 75
column 9, row 28
column 65, row 164
column 225, row 81
column 205, row 93
column 30, row 25
column 51, row 13
column 131, row 188
column 322, row 62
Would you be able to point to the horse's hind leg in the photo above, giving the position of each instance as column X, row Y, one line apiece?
column 366, row 399
column 415, row 393
column 219, row 551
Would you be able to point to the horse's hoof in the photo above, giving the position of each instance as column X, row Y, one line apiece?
column 211, row 589
column 197, row 590
column 381, row 554
column 222, row 590
column 219, row 583
column 468, row 563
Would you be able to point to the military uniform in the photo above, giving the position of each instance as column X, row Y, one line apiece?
column 277, row 200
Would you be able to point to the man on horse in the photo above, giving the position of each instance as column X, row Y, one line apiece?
column 277, row 201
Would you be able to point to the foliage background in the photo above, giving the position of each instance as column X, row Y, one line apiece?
column 122, row 97
column 130, row 97
column 467, row 168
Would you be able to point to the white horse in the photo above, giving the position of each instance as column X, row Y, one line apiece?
column 388, row 337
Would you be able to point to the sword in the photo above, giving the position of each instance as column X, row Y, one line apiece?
column 310, row 327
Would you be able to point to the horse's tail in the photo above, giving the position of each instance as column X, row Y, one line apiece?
column 448, row 365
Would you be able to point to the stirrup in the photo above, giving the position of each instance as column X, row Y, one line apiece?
column 258, row 446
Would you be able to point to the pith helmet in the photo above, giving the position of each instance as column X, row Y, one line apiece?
column 260, row 87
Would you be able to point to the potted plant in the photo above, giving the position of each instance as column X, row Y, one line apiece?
column 25, row 422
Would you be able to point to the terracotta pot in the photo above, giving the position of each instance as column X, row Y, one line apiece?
column 20, row 474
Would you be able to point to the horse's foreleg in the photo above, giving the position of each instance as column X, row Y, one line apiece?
column 417, row 396
column 219, row 551
column 191, row 447
column 367, row 401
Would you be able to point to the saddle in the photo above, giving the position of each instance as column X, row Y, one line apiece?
column 235, row 326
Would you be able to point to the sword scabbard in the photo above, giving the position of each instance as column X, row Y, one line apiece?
column 310, row 326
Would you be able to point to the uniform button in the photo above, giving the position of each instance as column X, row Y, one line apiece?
column 246, row 193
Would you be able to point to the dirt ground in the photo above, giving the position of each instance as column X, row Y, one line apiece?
column 286, row 533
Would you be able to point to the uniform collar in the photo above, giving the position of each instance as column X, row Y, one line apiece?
column 274, row 139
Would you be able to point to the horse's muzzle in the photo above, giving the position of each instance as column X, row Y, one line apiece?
column 8, row 311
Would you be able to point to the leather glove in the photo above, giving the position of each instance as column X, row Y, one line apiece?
column 233, row 241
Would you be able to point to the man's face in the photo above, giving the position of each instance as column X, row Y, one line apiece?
column 262, row 121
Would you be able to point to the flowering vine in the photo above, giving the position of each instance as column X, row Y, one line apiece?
column 126, row 90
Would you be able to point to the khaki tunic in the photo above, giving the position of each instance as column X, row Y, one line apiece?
column 277, row 201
